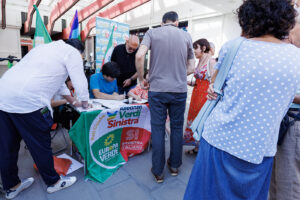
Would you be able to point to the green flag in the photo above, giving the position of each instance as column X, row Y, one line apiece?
column 41, row 35
column 109, row 48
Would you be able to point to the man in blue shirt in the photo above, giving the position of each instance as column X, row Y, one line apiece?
column 103, row 85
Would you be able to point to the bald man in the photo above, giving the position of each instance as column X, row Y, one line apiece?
column 124, row 55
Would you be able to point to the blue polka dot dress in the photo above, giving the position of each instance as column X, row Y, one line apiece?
column 258, row 91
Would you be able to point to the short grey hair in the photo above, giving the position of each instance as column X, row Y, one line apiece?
column 212, row 45
column 297, row 8
column 298, row 16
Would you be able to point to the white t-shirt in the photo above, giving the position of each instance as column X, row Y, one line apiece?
column 63, row 90
column 30, row 84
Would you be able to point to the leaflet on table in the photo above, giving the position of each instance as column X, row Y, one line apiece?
column 95, row 106
column 81, row 109
column 142, row 101
column 109, row 103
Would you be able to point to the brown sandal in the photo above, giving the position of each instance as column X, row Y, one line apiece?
column 158, row 179
column 193, row 151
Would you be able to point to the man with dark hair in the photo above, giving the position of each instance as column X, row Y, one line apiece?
column 103, row 85
column 25, row 111
column 124, row 55
column 76, row 44
column 170, row 17
column 171, row 60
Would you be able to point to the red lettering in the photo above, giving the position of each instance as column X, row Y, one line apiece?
column 118, row 123
column 110, row 123
column 114, row 123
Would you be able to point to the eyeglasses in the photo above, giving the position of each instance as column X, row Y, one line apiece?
column 296, row 4
column 131, row 49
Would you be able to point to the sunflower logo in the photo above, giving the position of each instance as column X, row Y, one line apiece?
column 109, row 140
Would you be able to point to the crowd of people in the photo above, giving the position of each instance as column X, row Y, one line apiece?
column 236, row 155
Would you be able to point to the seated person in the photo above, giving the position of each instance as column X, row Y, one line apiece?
column 103, row 85
column 70, row 87
column 63, row 113
column 138, row 93
column 65, row 94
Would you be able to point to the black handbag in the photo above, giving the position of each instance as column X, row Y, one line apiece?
column 286, row 123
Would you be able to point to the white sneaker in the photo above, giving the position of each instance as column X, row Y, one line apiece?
column 26, row 183
column 63, row 183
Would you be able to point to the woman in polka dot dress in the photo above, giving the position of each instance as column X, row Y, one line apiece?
column 239, row 138
column 202, row 74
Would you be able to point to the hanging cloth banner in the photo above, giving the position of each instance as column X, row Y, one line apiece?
column 106, row 140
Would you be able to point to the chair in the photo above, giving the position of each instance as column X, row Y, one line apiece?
column 63, row 116
column 55, row 129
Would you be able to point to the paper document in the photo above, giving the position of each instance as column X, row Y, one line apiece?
column 142, row 101
column 96, row 106
column 109, row 103
column 75, row 164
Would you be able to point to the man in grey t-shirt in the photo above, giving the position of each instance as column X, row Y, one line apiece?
column 171, row 60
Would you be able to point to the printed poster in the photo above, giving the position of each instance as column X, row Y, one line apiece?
column 103, row 32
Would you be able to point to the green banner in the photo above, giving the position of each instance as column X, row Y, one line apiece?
column 107, row 139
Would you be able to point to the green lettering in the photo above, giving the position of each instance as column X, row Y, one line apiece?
column 122, row 114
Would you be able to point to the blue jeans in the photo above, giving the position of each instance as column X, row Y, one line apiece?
column 160, row 103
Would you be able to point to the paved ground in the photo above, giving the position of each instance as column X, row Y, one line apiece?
column 133, row 181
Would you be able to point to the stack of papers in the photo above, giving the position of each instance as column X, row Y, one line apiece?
column 142, row 101
column 101, row 104
column 96, row 106
column 108, row 103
